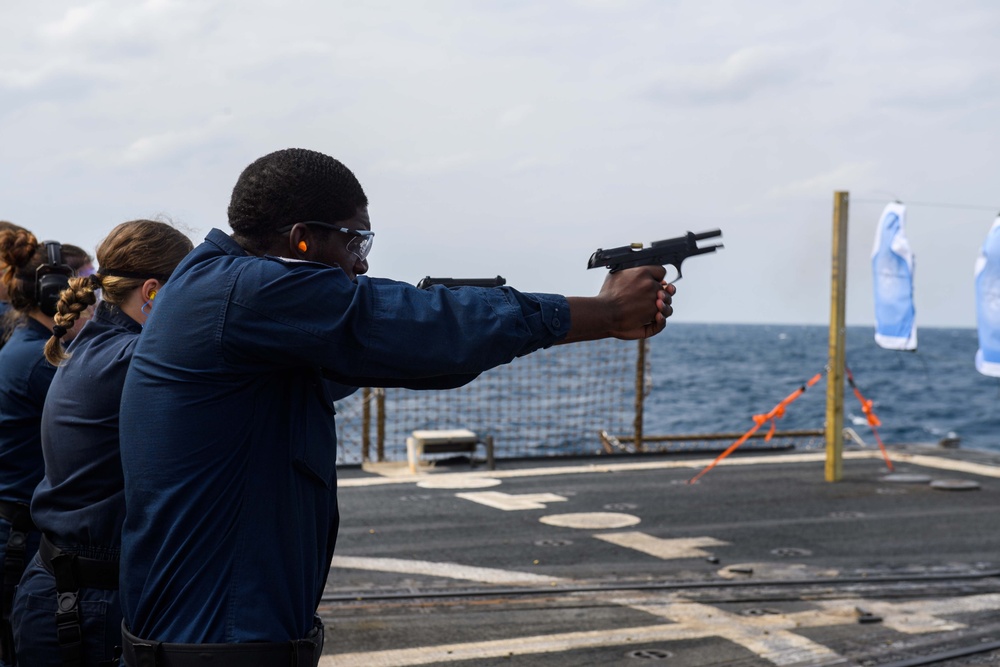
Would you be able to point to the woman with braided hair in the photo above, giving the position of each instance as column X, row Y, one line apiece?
column 32, row 280
column 70, row 589
column 4, row 301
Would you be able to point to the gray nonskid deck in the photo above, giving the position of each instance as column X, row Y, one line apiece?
column 619, row 560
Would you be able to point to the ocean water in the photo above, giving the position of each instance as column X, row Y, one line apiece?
column 702, row 379
column 714, row 377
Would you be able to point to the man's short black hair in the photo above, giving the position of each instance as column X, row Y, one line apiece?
column 289, row 186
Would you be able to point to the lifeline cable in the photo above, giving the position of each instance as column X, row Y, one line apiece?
column 776, row 413
column 873, row 420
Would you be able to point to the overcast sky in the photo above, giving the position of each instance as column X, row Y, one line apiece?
column 515, row 138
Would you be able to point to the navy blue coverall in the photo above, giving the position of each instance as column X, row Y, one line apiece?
column 80, row 503
column 25, row 376
column 227, row 428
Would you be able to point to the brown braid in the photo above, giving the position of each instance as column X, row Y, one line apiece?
column 20, row 257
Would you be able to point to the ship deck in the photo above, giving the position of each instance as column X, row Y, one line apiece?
column 617, row 560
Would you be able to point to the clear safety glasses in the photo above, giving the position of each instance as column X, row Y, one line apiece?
column 360, row 245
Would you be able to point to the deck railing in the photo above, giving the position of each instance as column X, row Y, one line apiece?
column 587, row 398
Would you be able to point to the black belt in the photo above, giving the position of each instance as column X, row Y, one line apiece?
column 14, row 561
column 73, row 572
column 297, row 653
column 82, row 572
column 18, row 514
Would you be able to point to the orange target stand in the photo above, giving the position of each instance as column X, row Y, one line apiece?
column 873, row 421
column 835, row 369
column 776, row 413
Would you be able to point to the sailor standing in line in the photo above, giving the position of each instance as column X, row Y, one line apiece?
column 227, row 429
column 35, row 273
column 66, row 610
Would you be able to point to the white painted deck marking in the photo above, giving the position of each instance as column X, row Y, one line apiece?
column 512, row 647
column 590, row 469
column 512, row 503
column 484, row 575
column 772, row 637
column 464, row 481
column 776, row 570
column 948, row 464
column 768, row 636
column 920, row 616
column 591, row 520
column 666, row 549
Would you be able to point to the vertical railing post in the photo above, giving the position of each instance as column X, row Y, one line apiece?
column 380, row 430
column 835, row 371
column 640, row 394
column 366, row 423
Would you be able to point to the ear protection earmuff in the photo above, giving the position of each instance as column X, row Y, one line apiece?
column 51, row 278
column 302, row 246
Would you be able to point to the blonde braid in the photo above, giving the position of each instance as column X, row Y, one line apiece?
column 73, row 301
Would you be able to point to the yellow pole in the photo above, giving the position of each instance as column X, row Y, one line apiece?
column 835, row 372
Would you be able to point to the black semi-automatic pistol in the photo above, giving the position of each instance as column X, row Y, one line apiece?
column 670, row 252
column 462, row 282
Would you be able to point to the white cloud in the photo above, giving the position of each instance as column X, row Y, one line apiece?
column 73, row 22
column 431, row 166
column 533, row 162
column 515, row 115
column 843, row 177
column 659, row 116
column 163, row 146
column 745, row 73
column 24, row 78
